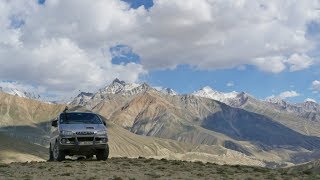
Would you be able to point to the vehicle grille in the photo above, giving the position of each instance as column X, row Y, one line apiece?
column 84, row 133
column 81, row 139
column 72, row 140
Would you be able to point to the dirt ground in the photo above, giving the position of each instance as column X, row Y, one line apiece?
column 141, row 168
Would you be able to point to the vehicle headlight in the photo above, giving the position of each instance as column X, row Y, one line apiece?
column 102, row 133
column 67, row 133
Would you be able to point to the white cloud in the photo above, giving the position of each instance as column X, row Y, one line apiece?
column 285, row 95
column 288, row 94
column 212, row 38
column 277, row 64
column 64, row 68
column 299, row 62
column 271, row 64
column 59, row 46
column 7, row 86
column 56, row 51
column 230, row 84
column 315, row 86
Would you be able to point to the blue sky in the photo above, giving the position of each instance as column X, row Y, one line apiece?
column 186, row 79
column 138, row 3
column 182, row 44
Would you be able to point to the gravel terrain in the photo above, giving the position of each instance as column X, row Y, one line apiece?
column 141, row 168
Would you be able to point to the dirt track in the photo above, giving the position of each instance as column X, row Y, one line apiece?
column 124, row 168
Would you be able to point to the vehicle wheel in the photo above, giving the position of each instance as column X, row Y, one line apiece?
column 102, row 155
column 58, row 155
column 50, row 154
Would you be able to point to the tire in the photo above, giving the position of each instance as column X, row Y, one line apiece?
column 50, row 153
column 58, row 155
column 102, row 155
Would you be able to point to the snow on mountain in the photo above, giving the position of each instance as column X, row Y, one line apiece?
column 276, row 100
column 234, row 99
column 298, row 108
column 168, row 91
column 208, row 92
column 82, row 98
column 120, row 87
column 123, row 88
column 20, row 93
column 310, row 106
column 310, row 100
column 117, row 87
column 244, row 100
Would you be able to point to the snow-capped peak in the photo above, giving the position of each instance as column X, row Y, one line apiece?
column 310, row 105
column 276, row 100
column 82, row 98
column 273, row 99
column 20, row 93
column 208, row 92
column 310, row 100
column 168, row 91
column 121, row 87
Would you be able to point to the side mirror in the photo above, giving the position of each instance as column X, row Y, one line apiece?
column 103, row 119
column 54, row 123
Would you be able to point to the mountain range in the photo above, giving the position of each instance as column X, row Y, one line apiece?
column 270, row 129
column 302, row 117
column 227, row 127
column 20, row 93
column 27, row 123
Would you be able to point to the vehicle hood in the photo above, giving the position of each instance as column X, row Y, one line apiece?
column 82, row 127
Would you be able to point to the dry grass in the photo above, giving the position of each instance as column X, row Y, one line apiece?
column 141, row 168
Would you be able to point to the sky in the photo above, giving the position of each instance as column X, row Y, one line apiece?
column 57, row 48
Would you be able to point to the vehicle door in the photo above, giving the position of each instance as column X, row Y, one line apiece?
column 54, row 132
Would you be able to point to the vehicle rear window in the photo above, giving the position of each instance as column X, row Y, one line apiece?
column 79, row 118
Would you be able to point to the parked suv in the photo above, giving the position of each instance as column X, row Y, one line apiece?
column 78, row 133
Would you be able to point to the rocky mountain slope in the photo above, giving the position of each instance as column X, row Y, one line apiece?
column 122, row 144
column 156, row 123
column 126, row 144
column 240, row 122
column 28, row 124
column 17, row 150
column 18, row 111
column 20, row 93
column 302, row 117
column 312, row 167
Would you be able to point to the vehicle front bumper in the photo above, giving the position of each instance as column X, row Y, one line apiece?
column 82, row 148
column 82, row 143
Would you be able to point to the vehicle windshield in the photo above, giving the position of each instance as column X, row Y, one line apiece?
column 79, row 118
